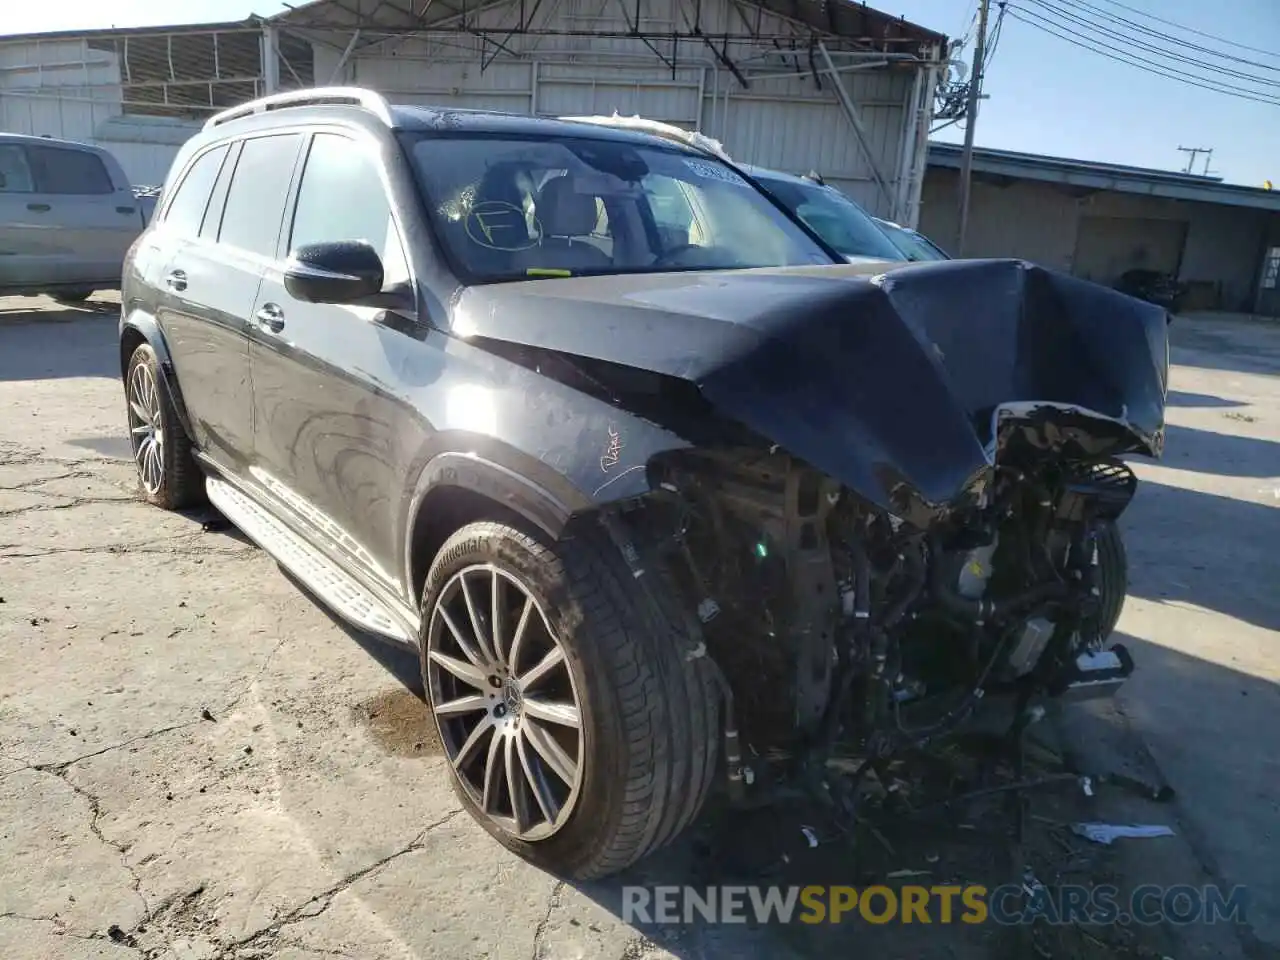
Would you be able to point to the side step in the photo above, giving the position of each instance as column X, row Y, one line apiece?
column 343, row 593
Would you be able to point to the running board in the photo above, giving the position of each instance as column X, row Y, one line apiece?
column 345, row 595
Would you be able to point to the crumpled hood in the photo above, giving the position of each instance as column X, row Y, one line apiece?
column 887, row 381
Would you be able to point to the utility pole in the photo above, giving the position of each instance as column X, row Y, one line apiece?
column 971, row 121
column 1194, row 152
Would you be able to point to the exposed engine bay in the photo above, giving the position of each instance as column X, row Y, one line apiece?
column 883, row 497
column 835, row 621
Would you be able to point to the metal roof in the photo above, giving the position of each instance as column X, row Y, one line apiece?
column 846, row 19
column 249, row 25
column 1169, row 184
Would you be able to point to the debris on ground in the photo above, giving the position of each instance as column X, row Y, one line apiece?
column 1108, row 832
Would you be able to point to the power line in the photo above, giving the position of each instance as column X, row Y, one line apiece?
column 1149, row 66
column 1085, row 5
column 994, row 41
column 1186, row 29
column 1134, row 60
column 1057, row 15
column 971, row 18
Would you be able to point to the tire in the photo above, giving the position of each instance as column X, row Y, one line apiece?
column 168, row 476
column 72, row 296
column 649, row 711
column 1113, row 574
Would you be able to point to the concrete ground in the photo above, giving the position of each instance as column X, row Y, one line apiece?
column 196, row 761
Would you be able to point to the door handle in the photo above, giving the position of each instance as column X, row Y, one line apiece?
column 39, row 207
column 176, row 280
column 270, row 317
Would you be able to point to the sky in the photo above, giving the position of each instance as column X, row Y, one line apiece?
column 1044, row 95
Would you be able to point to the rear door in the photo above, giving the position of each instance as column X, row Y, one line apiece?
column 210, row 279
column 81, row 220
column 325, row 416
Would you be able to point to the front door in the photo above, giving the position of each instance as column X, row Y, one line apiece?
column 324, row 440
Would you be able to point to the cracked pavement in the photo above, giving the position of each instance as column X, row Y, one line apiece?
column 198, row 763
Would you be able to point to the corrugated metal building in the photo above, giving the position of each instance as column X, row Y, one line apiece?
column 139, row 93
column 793, row 84
column 1097, row 220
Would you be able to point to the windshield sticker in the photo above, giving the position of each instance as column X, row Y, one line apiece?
column 498, row 225
column 714, row 171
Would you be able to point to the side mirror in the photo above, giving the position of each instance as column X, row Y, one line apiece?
column 345, row 271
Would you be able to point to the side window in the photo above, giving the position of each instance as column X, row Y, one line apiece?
column 339, row 168
column 61, row 170
column 259, row 189
column 15, row 172
column 186, row 211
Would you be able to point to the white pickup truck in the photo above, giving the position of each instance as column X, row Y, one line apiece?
column 67, row 217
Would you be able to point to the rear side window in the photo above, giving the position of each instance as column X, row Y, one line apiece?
column 15, row 173
column 186, row 210
column 64, row 171
column 259, row 189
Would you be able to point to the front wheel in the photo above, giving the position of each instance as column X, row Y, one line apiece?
column 1113, row 577
column 168, row 476
column 579, row 729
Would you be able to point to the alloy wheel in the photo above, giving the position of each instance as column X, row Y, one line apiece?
column 505, row 702
column 146, row 428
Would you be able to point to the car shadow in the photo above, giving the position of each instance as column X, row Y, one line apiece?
column 1182, row 398
column 44, row 344
column 1226, row 550
column 1233, row 346
column 401, row 663
column 1223, row 454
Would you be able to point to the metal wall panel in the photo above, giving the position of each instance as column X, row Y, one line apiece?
column 631, row 88
column 1100, row 235
column 56, row 88
column 1027, row 220
column 70, row 90
column 783, row 119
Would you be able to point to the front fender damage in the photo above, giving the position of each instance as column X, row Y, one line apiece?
column 897, row 385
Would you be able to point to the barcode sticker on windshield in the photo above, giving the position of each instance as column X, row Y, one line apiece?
column 714, row 171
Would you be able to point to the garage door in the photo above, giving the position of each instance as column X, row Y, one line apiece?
column 1108, row 246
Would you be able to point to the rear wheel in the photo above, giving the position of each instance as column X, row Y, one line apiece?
column 72, row 296
column 579, row 729
column 168, row 476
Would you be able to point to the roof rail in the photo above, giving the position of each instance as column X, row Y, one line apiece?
column 374, row 102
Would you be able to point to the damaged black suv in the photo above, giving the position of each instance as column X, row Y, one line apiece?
column 637, row 465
